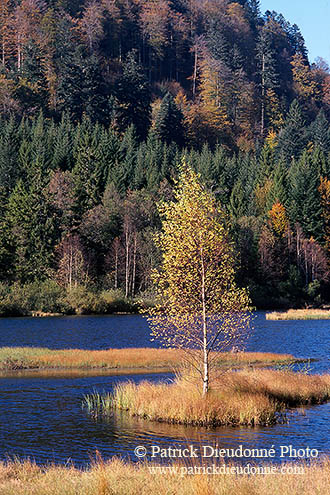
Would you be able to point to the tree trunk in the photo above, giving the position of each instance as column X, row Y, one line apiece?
column 127, row 265
column 116, row 266
column 263, row 92
column 195, row 73
column 134, row 267
column 205, row 350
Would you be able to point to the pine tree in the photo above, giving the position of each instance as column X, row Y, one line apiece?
column 133, row 96
column 237, row 204
column 320, row 132
column 267, row 72
column 71, row 82
column 169, row 122
column 9, row 145
column 279, row 189
column 94, row 91
column 32, row 230
column 305, row 199
column 121, row 174
column 292, row 138
column 88, row 174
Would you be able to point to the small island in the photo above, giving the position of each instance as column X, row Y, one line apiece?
column 300, row 314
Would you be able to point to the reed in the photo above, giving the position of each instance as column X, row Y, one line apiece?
column 246, row 397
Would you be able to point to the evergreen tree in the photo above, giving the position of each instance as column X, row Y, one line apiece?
column 279, row 190
column 9, row 145
column 237, row 203
column 121, row 174
column 320, row 132
column 71, row 82
column 305, row 199
column 169, row 122
column 266, row 70
column 133, row 96
column 88, row 174
column 32, row 230
column 292, row 138
column 94, row 91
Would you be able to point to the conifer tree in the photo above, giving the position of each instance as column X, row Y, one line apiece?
column 267, row 72
column 320, row 132
column 292, row 137
column 169, row 122
column 133, row 96
column 305, row 197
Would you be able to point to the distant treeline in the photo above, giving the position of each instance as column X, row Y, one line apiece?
column 197, row 70
column 78, row 206
column 100, row 101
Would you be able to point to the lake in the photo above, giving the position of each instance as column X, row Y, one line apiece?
column 42, row 418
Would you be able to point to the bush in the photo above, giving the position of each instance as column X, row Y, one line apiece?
column 82, row 301
column 117, row 302
column 20, row 300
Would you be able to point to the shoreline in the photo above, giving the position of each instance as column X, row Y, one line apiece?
column 271, row 314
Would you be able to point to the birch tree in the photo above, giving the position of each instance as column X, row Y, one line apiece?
column 200, row 310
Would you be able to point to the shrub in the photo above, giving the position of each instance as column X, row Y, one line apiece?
column 83, row 301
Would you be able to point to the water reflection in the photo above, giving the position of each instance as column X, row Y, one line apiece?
column 42, row 418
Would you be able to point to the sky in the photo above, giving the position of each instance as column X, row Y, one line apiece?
column 313, row 19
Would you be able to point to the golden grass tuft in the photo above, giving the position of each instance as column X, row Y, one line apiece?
column 300, row 314
column 236, row 398
column 117, row 477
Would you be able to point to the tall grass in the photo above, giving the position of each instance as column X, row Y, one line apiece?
column 117, row 477
column 132, row 358
column 256, row 397
column 300, row 314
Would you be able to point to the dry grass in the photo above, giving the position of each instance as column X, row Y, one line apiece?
column 237, row 398
column 119, row 478
column 300, row 314
column 143, row 358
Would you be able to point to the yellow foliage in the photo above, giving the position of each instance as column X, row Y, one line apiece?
column 261, row 194
column 278, row 219
column 271, row 140
column 304, row 83
column 212, row 93
column 273, row 110
column 200, row 308
column 324, row 189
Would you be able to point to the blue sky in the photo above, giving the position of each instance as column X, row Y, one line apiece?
column 313, row 18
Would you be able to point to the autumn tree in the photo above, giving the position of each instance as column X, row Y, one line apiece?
column 200, row 307
column 324, row 190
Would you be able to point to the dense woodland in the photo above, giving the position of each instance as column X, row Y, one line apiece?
column 101, row 101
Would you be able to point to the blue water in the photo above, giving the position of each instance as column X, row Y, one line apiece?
column 41, row 415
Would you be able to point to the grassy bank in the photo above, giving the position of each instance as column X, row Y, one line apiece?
column 300, row 314
column 247, row 397
column 119, row 478
column 15, row 358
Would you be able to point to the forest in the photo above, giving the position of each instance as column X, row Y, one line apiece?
column 100, row 103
